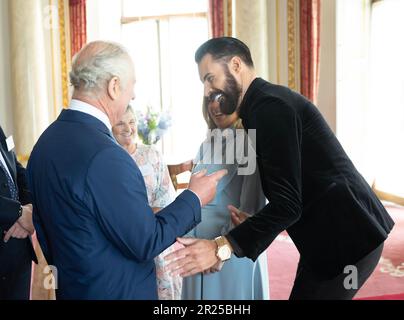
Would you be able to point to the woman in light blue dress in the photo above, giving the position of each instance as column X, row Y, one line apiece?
column 239, row 278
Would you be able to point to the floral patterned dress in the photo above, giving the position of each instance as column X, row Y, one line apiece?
column 160, row 193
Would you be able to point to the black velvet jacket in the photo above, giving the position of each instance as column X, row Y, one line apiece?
column 314, row 190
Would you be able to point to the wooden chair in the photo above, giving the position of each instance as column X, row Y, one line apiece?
column 176, row 169
column 382, row 195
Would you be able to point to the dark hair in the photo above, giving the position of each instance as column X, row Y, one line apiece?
column 224, row 48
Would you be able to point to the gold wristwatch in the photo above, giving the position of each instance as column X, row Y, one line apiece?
column 223, row 251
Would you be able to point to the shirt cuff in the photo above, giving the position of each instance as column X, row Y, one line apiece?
column 200, row 202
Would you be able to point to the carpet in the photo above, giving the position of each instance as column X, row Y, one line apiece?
column 386, row 282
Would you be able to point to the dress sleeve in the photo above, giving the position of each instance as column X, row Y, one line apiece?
column 252, row 198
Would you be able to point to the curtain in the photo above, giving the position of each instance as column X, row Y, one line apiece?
column 310, row 47
column 78, row 25
column 216, row 18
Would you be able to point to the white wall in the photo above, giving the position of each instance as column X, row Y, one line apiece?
column 353, row 31
column 103, row 20
column 6, row 111
column 250, row 26
column 327, row 95
column 6, row 98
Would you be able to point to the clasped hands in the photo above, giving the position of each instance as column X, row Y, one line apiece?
column 23, row 227
column 199, row 255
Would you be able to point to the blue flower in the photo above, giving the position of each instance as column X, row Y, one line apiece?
column 152, row 125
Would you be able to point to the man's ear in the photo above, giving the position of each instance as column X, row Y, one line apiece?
column 235, row 64
column 114, row 89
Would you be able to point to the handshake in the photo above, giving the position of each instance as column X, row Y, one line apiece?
column 200, row 255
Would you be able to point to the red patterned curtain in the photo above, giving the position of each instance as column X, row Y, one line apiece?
column 78, row 25
column 216, row 18
column 310, row 47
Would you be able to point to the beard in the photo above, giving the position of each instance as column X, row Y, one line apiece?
column 228, row 97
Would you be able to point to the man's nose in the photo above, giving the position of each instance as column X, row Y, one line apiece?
column 207, row 89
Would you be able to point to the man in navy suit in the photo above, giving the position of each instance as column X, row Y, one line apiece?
column 91, row 212
column 16, row 251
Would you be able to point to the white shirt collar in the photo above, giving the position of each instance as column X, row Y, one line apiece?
column 78, row 105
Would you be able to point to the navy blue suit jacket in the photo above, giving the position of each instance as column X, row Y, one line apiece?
column 92, row 215
column 16, row 252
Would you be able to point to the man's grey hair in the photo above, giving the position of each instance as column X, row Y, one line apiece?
column 97, row 63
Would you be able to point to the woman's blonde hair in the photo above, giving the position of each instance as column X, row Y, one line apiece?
column 130, row 109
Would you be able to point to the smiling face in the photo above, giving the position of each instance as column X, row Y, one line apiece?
column 125, row 130
column 221, row 120
column 217, row 79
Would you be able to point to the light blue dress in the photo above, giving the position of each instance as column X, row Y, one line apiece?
column 240, row 278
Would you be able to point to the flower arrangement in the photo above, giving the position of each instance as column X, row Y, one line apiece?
column 152, row 125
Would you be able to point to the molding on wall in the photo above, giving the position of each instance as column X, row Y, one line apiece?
column 63, row 54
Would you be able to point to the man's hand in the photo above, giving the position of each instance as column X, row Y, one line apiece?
column 16, row 231
column 216, row 268
column 237, row 216
column 23, row 227
column 197, row 256
column 25, row 221
column 205, row 186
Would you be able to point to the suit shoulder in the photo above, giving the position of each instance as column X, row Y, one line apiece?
column 273, row 105
column 107, row 152
column 111, row 158
column 275, row 100
column 284, row 94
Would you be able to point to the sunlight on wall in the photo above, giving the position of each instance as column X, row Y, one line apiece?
column 170, row 81
column 163, row 51
column 386, row 118
column 370, row 89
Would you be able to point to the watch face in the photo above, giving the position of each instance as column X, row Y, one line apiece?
column 224, row 253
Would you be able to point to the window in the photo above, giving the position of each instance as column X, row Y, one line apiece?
column 353, row 35
column 370, row 89
column 162, row 37
column 386, row 95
